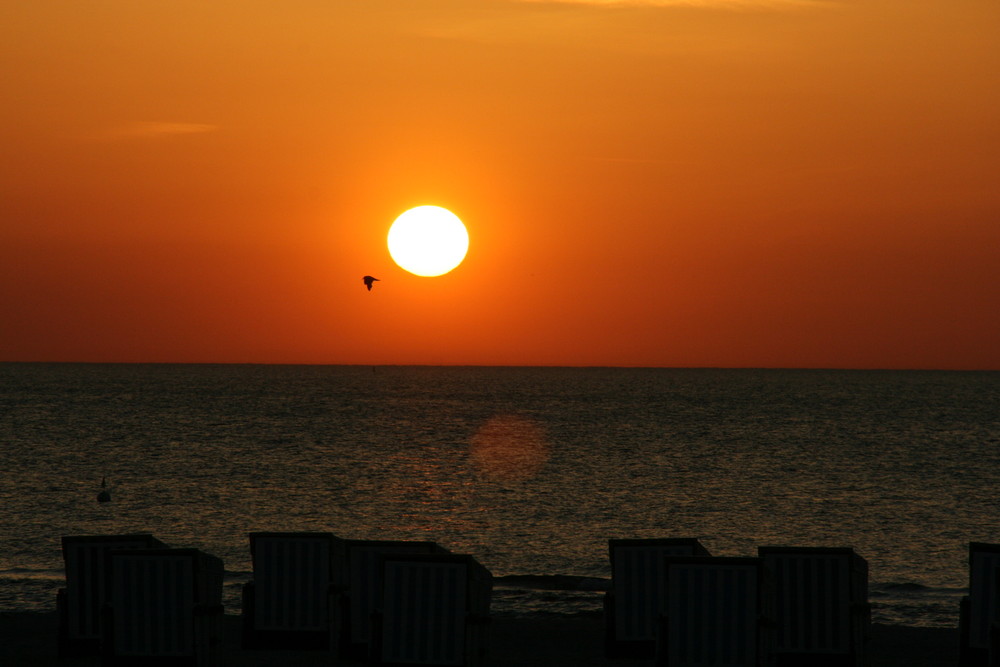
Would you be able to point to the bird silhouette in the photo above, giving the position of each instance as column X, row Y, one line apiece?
column 368, row 282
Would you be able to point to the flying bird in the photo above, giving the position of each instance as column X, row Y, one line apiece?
column 368, row 282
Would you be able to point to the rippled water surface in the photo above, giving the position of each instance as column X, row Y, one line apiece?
column 529, row 469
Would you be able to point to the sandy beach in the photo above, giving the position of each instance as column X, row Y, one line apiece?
column 29, row 640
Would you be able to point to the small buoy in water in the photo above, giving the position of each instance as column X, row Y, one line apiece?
column 104, row 496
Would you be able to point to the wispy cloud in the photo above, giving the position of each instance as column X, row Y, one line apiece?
column 707, row 4
column 546, row 20
column 155, row 129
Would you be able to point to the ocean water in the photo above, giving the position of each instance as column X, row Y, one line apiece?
column 531, row 470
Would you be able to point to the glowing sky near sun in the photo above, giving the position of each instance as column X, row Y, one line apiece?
column 668, row 183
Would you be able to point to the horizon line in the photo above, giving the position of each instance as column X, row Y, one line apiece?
column 540, row 366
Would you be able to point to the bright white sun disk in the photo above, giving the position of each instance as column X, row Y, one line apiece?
column 428, row 241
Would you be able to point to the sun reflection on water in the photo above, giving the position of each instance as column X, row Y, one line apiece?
column 508, row 448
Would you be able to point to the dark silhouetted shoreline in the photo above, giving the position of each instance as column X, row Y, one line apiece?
column 29, row 640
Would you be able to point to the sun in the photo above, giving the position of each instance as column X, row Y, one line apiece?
column 428, row 241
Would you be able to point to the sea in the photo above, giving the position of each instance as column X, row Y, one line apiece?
column 531, row 470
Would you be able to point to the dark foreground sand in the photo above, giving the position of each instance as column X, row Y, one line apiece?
column 28, row 640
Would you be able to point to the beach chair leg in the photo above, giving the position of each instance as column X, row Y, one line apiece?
column 63, row 614
column 375, row 645
column 612, row 649
column 66, row 646
column 964, row 659
column 994, row 654
column 248, row 638
column 108, row 658
column 661, row 657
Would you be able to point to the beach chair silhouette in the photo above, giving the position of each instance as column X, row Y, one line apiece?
column 434, row 609
column 716, row 613
column 633, row 605
column 978, row 611
column 79, row 604
column 364, row 585
column 164, row 608
column 822, row 615
column 294, row 598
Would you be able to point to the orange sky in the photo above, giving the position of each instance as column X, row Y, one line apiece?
column 772, row 183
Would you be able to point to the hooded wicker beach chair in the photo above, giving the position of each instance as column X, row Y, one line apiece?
column 979, row 613
column 633, row 605
column 294, row 598
column 716, row 613
column 364, row 584
column 822, row 615
column 164, row 609
column 434, row 610
column 79, row 604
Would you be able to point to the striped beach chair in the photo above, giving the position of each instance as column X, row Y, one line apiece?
column 293, row 600
column 164, row 608
column 716, row 613
column 979, row 609
column 822, row 614
column 434, row 610
column 79, row 604
column 364, row 584
column 633, row 605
